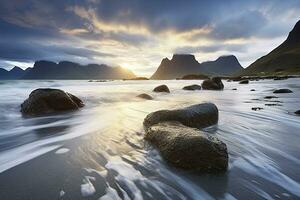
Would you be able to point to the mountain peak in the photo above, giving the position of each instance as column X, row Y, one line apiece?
column 294, row 35
column 284, row 59
column 227, row 57
column 183, row 56
column 16, row 69
column 183, row 64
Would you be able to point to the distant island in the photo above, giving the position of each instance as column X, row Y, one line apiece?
column 67, row 70
column 185, row 64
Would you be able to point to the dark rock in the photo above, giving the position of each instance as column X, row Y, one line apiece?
column 195, row 77
column 256, row 108
column 192, row 87
column 46, row 100
column 282, row 91
column 297, row 112
column 145, row 96
column 188, row 148
column 161, row 88
column 214, row 83
column 234, row 89
column 270, row 97
column 252, row 90
column 272, row 104
column 197, row 116
column 280, row 78
column 244, row 82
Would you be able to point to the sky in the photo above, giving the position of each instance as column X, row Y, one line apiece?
column 138, row 34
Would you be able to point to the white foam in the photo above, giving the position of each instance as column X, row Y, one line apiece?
column 111, row 194
column 62, row 151
column 61, row 193
column 87, row 188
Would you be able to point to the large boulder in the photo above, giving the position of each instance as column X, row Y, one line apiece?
column 188, row 148
column 197, row 116
column 214, row 83
column 192, row 87
column 145, row 96
column 47, row 100
column 282, row 91
column 161, row 88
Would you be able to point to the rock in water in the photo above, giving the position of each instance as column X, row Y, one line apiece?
column 145, row 96
column 47, row 100
column 244, row 82
column 197, row 116
column 282, row 91
column 214, row 83
column 192, row 87
column 161, row 88
column 188, row 148
column 297, row 112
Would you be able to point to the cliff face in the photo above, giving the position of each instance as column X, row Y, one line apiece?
column 176, row 67
column 184, row 64
column 283, row 59
column 67, row 70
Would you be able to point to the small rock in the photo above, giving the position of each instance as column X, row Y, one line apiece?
column 256, row 108
column 161, row 88
column 283, row 91
column 192, row 87
column 145, row 96
column 272, row 104
column 270, row 97
column 234, row 89
column 244, row 82
column 252, row 90
column 297, row 112
column 280, row 78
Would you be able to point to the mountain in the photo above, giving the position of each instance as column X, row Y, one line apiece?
column 284, row 59
column 14, row 73
column 66, row 70
column 224, row 65
column 183, row 64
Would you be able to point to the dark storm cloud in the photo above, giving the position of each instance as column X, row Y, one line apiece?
column 29, row 28
column 23, row 51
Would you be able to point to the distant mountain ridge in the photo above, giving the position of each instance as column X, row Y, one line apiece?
column 283, row 59
column 14, row 73
column 67, row 70
column 184, row 64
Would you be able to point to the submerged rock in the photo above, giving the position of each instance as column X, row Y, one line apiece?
column 244, row 82
column 234, row 89
column 145, row 96
column 192, row 87
column 297, row 112
column 161, row 88
column 283, row 91
column 47, row 100
column 252, row 90
column 214, row 83
column 256, row 108
column 270, row 97
column 188, row 148
column 197, row 116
